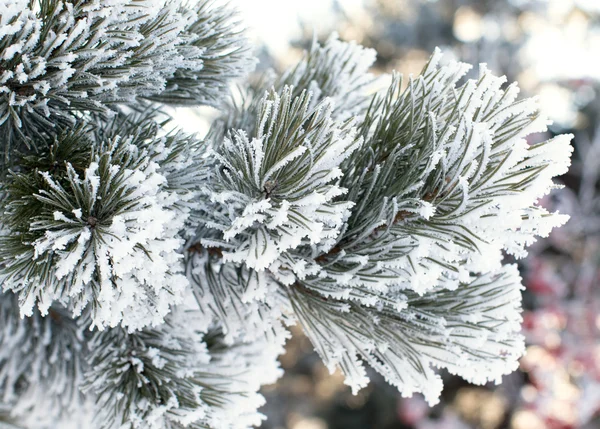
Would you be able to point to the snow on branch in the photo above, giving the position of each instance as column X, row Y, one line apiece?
column 473, row 332
column 177, row 375
column 66, row 56
column 335, row 70
column 41, row 362
column 95, row 225
column 247, row 304
column 379, row 223
column 276, row 190
column 440, row 181
column 449, row 182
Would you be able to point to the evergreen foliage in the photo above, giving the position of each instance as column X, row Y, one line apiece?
column 149, row 275
column 60, row 58
column 104, row 231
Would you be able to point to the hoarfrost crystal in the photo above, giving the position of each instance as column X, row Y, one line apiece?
column 149, row 276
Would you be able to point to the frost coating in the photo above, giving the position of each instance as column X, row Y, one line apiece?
column 471, row 193
column 249, row 305
column 109, row 240
column 465, row 331
column 337, row 70
column 70, row 61
column 178, row 375
column 40, row 362
column 63, row 56
column 280, row 186
column 422, row 254
column 442, row 181
column 379, row 223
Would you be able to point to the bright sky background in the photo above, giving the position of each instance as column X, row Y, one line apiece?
column 275, row 22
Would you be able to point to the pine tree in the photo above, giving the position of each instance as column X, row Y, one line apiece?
column 149, row 275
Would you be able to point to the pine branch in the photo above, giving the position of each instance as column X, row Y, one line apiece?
column 225, row 54
column 62, row 59
column 335, row 71
column 434, row 169
column 247, row 304
column 472, row 331
column 280, row 183
column 171, row 376
column 83, row 231
column 443, row 165
column 41, row 361
column 378, row 222
column 338, row 71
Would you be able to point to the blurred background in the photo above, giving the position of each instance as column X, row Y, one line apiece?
column 552, row 48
